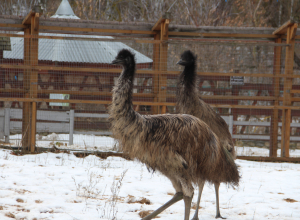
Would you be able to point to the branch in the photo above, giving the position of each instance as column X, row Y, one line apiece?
column 254, row 15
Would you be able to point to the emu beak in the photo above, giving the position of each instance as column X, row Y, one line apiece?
column 116, row 61
column 180, row 62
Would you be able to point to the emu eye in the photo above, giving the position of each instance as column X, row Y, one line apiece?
column 230, row 150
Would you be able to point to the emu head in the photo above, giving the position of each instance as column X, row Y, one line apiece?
column 124, row 58
column 187, row 58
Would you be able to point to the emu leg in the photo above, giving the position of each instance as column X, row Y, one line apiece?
column 200, row 187
column 177, row 197
column 187, row 206
column 218, row 215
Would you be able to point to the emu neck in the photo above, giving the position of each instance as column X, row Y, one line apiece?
column 188, row 81
column 122, row 111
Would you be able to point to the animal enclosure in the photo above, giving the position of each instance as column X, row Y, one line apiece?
column 56, row 77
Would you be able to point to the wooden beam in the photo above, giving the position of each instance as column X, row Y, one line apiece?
column 27, row 19
column 270, row 159
column 26, row 125
column 34, row 57
column 288, row 83
column 140, row 71
column 155, row 79
column 219, row 35
column 157, row 25
column 283, row 28
column 163, row 64
column 94, row 30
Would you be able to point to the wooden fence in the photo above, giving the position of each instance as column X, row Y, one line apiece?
column 162, row 34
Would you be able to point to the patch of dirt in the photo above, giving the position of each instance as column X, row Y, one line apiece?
column 132, row 199
column 281, row 193
column 290, row 200
column 170, row 194
column 22, row 191
column 143, row 214
column 1, row 207
column 10, row 215
column 38, row 201
column 194, row 206
column 20, row 200
column 242, row 213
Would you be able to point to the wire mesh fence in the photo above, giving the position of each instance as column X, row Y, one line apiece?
column 70, row 78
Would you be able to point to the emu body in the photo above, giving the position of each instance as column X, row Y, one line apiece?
column 157, row 140
column 188, row 102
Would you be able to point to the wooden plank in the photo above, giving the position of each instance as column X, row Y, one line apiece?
column 260, row 137
column 71, row 130
column 34, row 48
column 270, row 159
column 288, row 82
column 26, row 125
column 163, row 65
column 94, row 30
column 97, row 70
column 143, row 103
column 91, row 115
column 220, row 35
column 155, row 79
column 88, row 93
column 27, row 19
column 283, row 28
column 157, row 26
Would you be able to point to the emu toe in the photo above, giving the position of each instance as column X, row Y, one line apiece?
column 219, row 216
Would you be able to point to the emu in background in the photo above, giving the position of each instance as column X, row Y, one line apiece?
column 158, row 141
column 188, row 102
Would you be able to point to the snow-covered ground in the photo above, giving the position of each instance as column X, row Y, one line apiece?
column 103, row 143
column 61, row 186
column 81, row 141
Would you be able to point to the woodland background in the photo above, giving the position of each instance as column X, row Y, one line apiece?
column 240, row 13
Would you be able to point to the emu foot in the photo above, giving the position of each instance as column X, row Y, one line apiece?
column 219, row 216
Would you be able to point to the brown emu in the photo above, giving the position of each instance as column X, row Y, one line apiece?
column 188, row 102
column 158, row 141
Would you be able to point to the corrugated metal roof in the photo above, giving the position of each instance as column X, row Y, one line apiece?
column 77, row 51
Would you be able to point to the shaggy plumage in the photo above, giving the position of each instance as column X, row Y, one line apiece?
column 182, row 147
column 188, row 102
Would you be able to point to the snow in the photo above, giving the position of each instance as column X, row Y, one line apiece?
column 62, row 186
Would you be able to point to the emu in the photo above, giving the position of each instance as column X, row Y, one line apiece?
column 158, row 141
column 188, row 102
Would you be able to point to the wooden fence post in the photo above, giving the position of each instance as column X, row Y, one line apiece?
column 162, row 25
column 288, row 82
column 276, row 87
column 7, row 124
column 72, row 114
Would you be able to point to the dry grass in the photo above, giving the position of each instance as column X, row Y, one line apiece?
column 194, row 206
